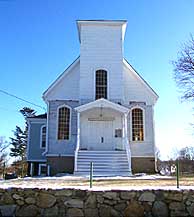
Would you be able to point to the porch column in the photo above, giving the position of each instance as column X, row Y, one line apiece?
column 31, row 169
column 78, row 141
column 126, row 140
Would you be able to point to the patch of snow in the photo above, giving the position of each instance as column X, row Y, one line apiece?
column 76, row 177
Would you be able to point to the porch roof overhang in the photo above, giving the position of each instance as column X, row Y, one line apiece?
column 102, row 103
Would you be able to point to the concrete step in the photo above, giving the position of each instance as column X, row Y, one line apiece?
column 102, row 153
column 104, row 162
column 104, row 166
column 104, row 159
column 120, row 163
column 105, row 174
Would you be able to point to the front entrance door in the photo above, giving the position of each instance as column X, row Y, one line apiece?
column 100, row 135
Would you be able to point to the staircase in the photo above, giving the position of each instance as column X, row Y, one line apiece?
column 105, row 163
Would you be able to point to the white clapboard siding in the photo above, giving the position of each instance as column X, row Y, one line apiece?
column 101, row 48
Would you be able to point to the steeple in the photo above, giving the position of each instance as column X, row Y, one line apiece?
column 101, row 48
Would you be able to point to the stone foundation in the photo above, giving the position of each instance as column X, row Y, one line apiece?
column 60, row 165
column 143, row 165
column 66, row 165
column 79, row 203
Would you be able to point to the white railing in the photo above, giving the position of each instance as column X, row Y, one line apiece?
column 78, row 142
column 126, row 141
column 127, row 147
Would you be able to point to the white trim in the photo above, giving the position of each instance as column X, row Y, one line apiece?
column 60, row 155
column 144, row 131
column 102, row 103
column 61, row 106
column 47, row 125
column 31, row 169
column 66, row 72
column 48, row 170
column 154, row 138
column 41, row 137
column 28, row 142
column 140, row 79
column 37, row 120
column 126, row 141
column 78, row 142
column 146, row 156
column 39, row 168
column 36, row 160
column 107, row 71
column 102, row 22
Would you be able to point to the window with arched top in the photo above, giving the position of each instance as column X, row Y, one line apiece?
column 43, row 137
column 63, row 123
column 101, row 84
column 137, row 125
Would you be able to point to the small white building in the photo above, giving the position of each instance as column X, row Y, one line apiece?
column 100, row 110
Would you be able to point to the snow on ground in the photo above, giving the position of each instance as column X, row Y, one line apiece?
column 135, row 182
column 84, row 177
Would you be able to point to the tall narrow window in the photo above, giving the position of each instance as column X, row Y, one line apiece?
column 43, row 137
column 101, row 84
column 63, row 123
column 137, row 125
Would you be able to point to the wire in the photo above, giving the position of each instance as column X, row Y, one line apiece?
column 19, row 98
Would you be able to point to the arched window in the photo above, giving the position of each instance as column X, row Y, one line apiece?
column 137, row 125
column 101, row 84
column 43, row 137
column 63, row 123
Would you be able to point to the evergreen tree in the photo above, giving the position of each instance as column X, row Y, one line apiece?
column 18, row 144
column 19, row 141
column 27, row 112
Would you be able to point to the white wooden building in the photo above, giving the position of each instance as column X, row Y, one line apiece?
column 100, row 110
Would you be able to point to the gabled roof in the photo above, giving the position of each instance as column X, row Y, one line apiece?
column 41, row 116
column 99, row 103
column 127, row 64
column 66, row 72
column 140, row 78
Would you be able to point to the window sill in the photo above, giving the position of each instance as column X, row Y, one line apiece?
column 135, row 142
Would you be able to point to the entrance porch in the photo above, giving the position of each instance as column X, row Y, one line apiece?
column 102, row 131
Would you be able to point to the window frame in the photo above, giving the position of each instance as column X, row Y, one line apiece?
column 39, row 168
column 131, row 126
column 41, row 136
column 107, row 83
column 57, row 123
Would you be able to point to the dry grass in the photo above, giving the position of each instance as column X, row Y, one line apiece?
column 84, row 182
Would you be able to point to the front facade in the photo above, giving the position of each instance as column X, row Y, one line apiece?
column 99, row 110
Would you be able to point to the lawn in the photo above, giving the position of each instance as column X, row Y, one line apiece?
column 99, row 182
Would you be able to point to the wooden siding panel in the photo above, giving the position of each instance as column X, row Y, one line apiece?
column 134, row 90
column 34, row 151
column 101, row 48
column 64, row 147
column 68, row 87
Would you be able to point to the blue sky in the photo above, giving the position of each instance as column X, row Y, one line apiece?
column 39, row 39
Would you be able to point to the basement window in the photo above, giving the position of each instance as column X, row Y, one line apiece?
column 42, row 170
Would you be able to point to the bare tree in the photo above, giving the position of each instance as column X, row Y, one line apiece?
column 184, row 70
column 3, row 153
column 187, row 153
